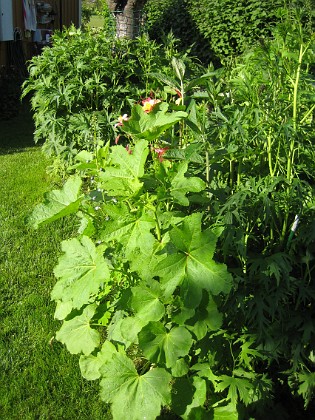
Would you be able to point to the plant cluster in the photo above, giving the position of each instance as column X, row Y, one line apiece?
column 85, row 81
column 190, row 284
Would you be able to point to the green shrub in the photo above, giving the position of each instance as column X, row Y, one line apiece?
column 219, row 28
column 83, row 82
column 232, row 26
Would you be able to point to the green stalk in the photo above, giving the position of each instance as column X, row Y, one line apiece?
column 231, row 172
column 157, row 227
column 207, row 168
column 208, row 176
column 294, row 116
column 271, row 170
column 290, row 159
column 239, row 172
column 182, row 123
column 307, row 114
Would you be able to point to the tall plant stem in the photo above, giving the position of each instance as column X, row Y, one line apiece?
column 290, row 160
column 208, row 176
column 294, row 116
column 207, row 168
column 157, row 227
column 269, row 144
column 231, row 172
column 239, row 172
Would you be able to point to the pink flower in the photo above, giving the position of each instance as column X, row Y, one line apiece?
column 121, row 120
column 148, row 104
column 160, row 151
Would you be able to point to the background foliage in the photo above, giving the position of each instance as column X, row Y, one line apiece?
column 164, row 16
column 218, row 29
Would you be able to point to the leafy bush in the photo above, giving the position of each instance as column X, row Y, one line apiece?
column 82, row 84
column 232, row 26
column 219, row 29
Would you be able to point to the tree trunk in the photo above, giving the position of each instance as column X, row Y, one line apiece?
column 125, row 14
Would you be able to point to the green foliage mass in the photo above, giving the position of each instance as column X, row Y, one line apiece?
column 84, row 82
column 195, row 245
column 218, row 29
column 231, row 26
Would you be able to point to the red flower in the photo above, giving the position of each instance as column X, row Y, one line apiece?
column 160, row 152
column 178, row 93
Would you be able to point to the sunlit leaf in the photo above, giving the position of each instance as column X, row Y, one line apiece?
column 149, row 126
column 90, row 364
column 146, row 302
column 81, row 271
column 181, row 185
column 121, row 176
column 192, row 267
column 137, row 396
column 162, row 346
column 227, row 412
column 58, row 203
column 77, row 334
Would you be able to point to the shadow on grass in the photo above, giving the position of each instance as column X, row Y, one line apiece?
column 16, row 134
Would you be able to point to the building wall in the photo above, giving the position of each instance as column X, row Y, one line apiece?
column 67, row 12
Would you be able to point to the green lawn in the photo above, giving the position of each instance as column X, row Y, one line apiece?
column 39, row 379
column 96, row 21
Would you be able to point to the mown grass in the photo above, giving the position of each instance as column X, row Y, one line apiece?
column 96, row 21
column 39, row 379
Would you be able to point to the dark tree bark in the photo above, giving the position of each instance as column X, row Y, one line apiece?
column 125, row 12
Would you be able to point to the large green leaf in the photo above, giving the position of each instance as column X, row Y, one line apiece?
column 130, row 328
column 134, row 396
column 81, row 271
column 181, row 185
column 121, row 176
column 241, row 387
column 192, row 267
column 132, row 232
column 77, row 334
column 150, row 126
column 189, row 153
column 227, row 412
column 58, row 203
column 90, row 365
column 162, row 346
column 146, row 302
column 198, row 401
